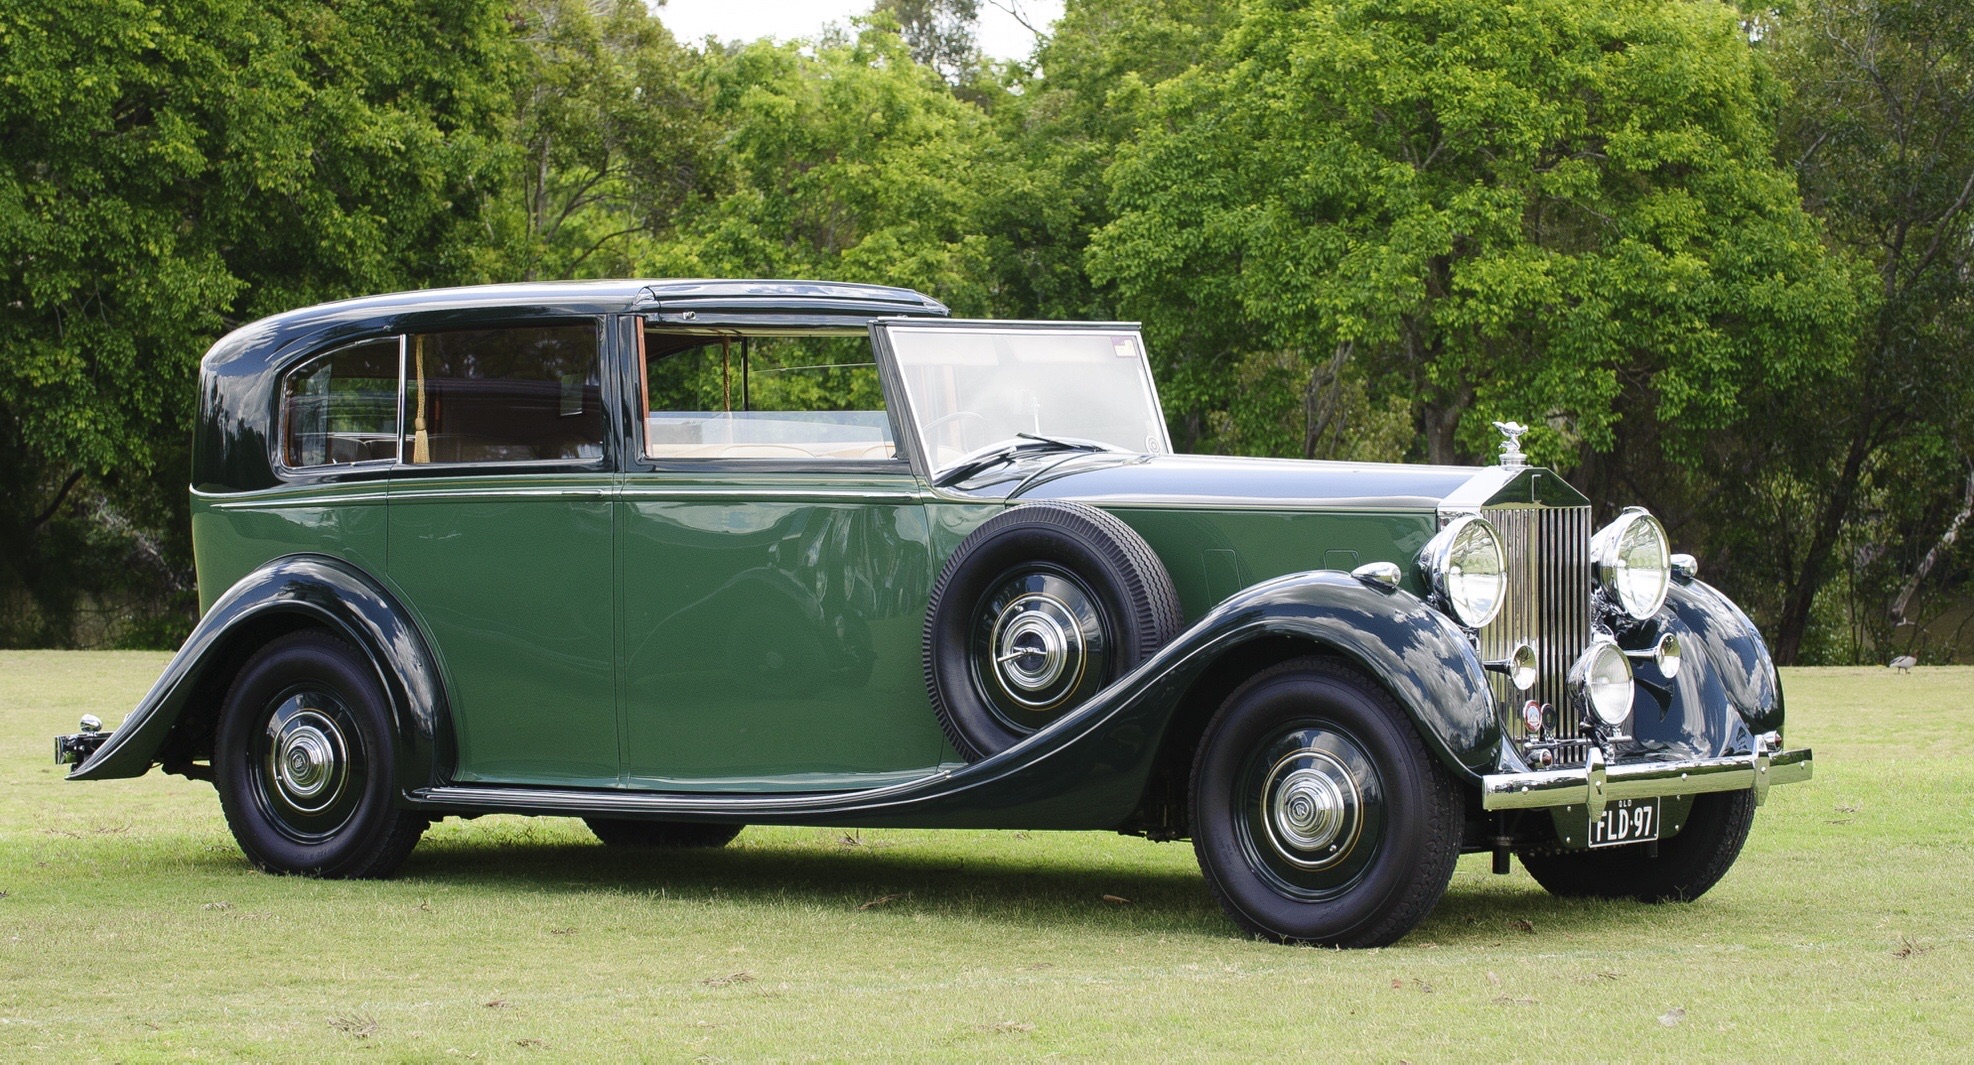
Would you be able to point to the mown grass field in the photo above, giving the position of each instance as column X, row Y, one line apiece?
column 131, row 929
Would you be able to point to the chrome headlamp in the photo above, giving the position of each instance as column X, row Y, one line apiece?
column 1467, row 570
column 1634, row 562
column 1601, row 678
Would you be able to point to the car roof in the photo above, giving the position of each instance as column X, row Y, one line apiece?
column 701, row 299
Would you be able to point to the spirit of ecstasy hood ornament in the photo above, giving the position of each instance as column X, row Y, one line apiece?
column 1511, row 445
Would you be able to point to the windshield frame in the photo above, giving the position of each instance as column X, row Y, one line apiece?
column 905, row 413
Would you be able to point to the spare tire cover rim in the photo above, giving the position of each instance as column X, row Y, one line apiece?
column 1040, row 645
column 1035, row 640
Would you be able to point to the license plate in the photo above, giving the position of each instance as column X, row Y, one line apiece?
column 1626, row 821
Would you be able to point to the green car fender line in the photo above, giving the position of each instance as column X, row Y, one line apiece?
column 290, row 592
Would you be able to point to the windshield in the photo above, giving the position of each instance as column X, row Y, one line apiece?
column 974, row 388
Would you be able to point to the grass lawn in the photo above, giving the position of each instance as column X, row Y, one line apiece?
column 132, row 929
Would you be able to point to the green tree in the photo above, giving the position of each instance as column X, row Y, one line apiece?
column 939, row 33
column 612, row 137
column 843, row 160
column 1493, row 211
column 1061, row 125
column 168, row 173
column 1868, row 476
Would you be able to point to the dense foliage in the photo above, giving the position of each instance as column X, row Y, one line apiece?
column 1720, row 261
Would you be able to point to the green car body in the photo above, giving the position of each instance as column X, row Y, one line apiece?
column 740, row 639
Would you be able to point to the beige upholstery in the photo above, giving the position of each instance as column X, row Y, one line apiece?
column 819, row 450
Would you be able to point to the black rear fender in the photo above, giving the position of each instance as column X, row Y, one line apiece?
column 173, row 724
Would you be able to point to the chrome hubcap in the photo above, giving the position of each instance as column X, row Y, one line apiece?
column 307, row 760
column 1311, row 808
column 1035, row 640
column 1039, row 646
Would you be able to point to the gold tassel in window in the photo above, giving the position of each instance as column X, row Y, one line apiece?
column 421, row 445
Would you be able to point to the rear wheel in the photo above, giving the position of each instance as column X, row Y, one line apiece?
column 1318, row 815
column 1687, row 865
column 303, row 763
column 620, row 832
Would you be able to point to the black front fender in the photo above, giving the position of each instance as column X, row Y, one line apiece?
column 1734, row 652
column 1419, row 654
column 285, row 594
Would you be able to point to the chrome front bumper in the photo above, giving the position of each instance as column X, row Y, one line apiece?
column 1596, row 783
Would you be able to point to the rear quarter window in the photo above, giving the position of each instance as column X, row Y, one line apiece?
column 340, row 408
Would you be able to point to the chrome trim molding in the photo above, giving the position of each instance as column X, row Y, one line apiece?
column 576, row 801
column 1598, row 782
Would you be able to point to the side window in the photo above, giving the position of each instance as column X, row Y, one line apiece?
column 763, row 397
column 341, row 408
column 525, row 394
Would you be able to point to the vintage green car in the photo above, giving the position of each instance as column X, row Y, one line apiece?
column 679, row 556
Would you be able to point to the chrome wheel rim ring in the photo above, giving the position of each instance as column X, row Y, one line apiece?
column 1310, row 811
column 307, row 760
column 1313, row 812
column 308, row 763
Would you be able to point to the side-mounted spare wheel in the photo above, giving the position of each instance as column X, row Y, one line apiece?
column 1037, row 610
column 1318, row 815
column 303, row 760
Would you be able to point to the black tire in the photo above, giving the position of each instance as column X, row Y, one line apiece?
column 1687, row 865
column 670, row 835
column 1318, row 815
column 1064, row 588
column 303, row 761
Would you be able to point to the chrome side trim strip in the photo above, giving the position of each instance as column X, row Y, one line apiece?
column 1644, row 780
column 599, row 800
column 764, row 494
column 474, row 495
column 292, row 502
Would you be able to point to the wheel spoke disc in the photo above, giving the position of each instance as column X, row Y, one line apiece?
column 1039, row 646
column 1313, row 811
column 308, row 764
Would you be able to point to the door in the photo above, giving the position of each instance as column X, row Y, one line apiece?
column 502, row 541
column 776, row 563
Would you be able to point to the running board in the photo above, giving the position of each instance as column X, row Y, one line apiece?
column 576, row 802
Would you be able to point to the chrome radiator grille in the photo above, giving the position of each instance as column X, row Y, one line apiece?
column 1547, row 606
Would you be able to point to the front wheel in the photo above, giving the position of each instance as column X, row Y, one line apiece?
column 303, row 763
column 1686, row 865
column 1318, row 815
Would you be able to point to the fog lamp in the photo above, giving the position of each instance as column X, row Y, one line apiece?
column 1602, row 678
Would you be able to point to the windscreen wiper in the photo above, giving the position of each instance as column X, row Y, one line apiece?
column 1005, row 451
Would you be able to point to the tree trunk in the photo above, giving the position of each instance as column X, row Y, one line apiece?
column 1812, row 571
column 1938, row 551
column 1316, row 412
column 1442, row 421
